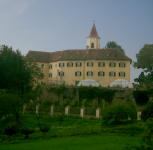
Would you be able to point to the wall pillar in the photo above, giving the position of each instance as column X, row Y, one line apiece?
column 98, row 113
column 24, row 108
column 67, row 110
column 138, row 115
column 82, row 111
column 37, row 108
column 77, row 95
column 52, row 110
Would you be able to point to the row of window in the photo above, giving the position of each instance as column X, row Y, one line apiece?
column 90, row 64
column 90, row 73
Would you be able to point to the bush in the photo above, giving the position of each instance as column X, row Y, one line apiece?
column 84, row 103
column 66, row 102
column 11, row 130
column 147, row 112
column 56, row 102
column 74, row 103
column 26, row 131
column 115, row 113
column 44, row 129
column 61, row 119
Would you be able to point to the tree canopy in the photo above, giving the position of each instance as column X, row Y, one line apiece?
column 17, row 73
column 145, row 62
column 113, row 44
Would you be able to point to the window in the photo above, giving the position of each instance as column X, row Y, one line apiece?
column 78, row 64
column 101, row 64
column 111, row 73
column 112, row 64
column 89, row 63
column 55, row 65
column 50, row 75
column 101, row 73
column 121, row 64
column 61, row 64
column 76, row 83
column 92, row 45
column 89, row 73
column 122, row 74
column 42, row 83
column 42, row 66
column 61, row 73
column 78, row 73
column 70, row 64
column 50, row 66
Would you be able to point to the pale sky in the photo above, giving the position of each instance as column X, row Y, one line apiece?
column 56, row 25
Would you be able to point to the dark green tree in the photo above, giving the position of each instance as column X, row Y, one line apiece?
column 18, row 73
column 113, row 44
column 145, row 62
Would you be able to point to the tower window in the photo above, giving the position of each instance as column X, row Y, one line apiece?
column 92, row 45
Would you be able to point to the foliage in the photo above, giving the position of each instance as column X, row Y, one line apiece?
column 145, row 61
column 18, row 74
column 58, row 90
column 141, row 97
column 61, row 119
column 94, row 103
column 44, row 129
column 56, row 102
column 11, row 104
column 66, row 102
column 11, row 130
column 84, row 103
column 116, row 112
column 147, row 111
column 74, row 103
column 26, row 131
column 113, row 44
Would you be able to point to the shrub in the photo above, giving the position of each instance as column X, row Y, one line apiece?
column 147, row 112
column 84, row 103
column 115, row 112
column 11, row 130
column 44, row 129
column 66, row 102
column 26, row 131
column 74, row 103
column 61, row 119
column 56, row 102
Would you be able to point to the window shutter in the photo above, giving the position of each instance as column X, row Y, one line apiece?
column 114, row 73
column 92, row 73
column 119, row 73
column 76, row 64
column 87, row 73
column 109, row 73
column 72, row 64
column 87, row 64
column 104, row 64
column 63, row 64
column 119, row 64
column 98, row 73
column 80, row 64
column 114, row 64
column 103, row 73
column 59, row 73
column 80, row 73
column 51, row 74
column 109, row 64
column 92, row 63
column 75, row 73
column 59, row 64
column 63, row 73
column 124, row 64
column 124, row 74
column 99, row 64
column 67, row 64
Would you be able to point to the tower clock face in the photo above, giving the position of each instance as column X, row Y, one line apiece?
column 92, row 40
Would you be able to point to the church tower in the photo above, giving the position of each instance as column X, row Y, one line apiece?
column 93, row 40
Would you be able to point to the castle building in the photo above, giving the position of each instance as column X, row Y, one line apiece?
column 69, row 67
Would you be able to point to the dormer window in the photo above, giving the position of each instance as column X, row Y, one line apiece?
column 92, row 45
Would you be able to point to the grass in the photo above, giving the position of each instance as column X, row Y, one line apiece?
column 105, row 141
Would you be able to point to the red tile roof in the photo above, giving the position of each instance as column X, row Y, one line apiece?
column 93, row 32
column 81, row 54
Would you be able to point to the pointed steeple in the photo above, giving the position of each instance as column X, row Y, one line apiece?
column 93, row 32
column 93, row 40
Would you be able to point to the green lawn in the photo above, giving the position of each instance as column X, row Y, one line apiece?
column 104, row 141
